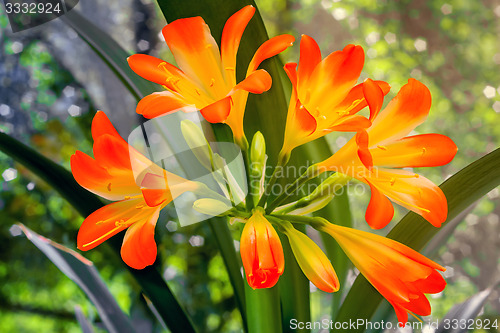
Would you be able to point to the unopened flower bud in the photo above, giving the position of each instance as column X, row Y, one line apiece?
column 197, row 143
column 211, row 207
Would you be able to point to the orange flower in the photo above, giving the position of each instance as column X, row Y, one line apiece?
column 324, row 98
column 206, row 79
column 373, row 154
column 311, row 259
column 111, row 176
column 399, row 273
column 261, row 252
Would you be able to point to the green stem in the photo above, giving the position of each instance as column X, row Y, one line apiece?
column 282, row 161
column 290, row 189
column 249, row 198
column 263, row 310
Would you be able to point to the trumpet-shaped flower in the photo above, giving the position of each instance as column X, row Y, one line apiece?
column 324, row 96
column 206, row 78
column 261, row 252
column 402, row 275
column 311, row 259
column 376, row 155
column 138, row 199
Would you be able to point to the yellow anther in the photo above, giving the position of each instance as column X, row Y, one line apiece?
column 382, row 147
column 198, row 92
column 120, row 223
column 139, row 206
column 99, row 222
column 317, row 112
column 208, row 46
column 212, row 81
column 162, row 65
column 229, row 68
column 424, row 150
column 127, row 197
column 392, row 181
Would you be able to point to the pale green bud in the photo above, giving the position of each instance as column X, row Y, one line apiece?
column 197, row 142
column 211, row 207
column 258, row 154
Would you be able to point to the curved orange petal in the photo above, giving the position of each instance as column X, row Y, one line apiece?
column 364, row 155
column 139, row 247
column 374, row 96
column 269, row 49
column 405, row 112
column 91, row 176
column 310, row 57
column 256, row 83
column 231, row 37
column 333, row 78
column 355, row 99
column 161, row 103
column 149, row 68
column 412, row 191
column 291, row 71
column 380, row 210
column 352, row 123
column 217, row 112
column 101, row 125
column 110, row 220
column 424, row 150
column 196, row 53
column 113, row 154
column 305, row 121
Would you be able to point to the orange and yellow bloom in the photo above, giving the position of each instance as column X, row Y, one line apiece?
column 324, row 96
column 206, row 78
column 376, row 156
column 402, row 275
column 261, row 252
column 139, row 198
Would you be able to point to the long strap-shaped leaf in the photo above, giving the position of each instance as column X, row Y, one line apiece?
column 62, row 181
column 461, row 190
column 110, row 52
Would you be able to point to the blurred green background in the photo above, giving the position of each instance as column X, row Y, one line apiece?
column 51, row 83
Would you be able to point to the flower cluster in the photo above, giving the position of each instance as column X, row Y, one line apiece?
column 325, row 98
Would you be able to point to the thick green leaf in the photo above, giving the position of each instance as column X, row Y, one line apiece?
column 82, row 272
column 110, row 52
column 85, row 203
column 461, row 190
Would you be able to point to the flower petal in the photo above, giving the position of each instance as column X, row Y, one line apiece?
column 161, row 103
column 110, row 220
column 91, row 176
column 380, row 210
column 405, row 112
column 149, row 68
column 231, row 37
column 291, row 71
column 196, row 53
column 355, row 99
column 310, row 57
column 101, row 125
column 256, row 83
column 269, row 49
column 333, row 78
column 374, row 96
column 425, row 150
column 363, row 151
column 412, row 191
column 139, row 247
column 217, row 112
column 352, row 123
